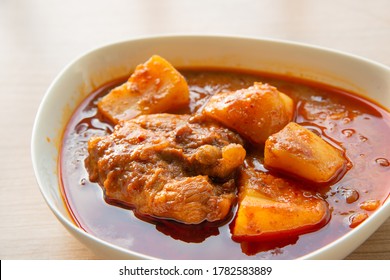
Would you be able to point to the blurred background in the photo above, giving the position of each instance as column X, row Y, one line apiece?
column 38, row 38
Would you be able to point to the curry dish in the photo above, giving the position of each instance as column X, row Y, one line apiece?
column 251, row 164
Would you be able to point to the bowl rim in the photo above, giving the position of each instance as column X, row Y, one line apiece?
column 80, row 233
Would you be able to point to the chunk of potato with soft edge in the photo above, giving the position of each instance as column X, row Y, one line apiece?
column 300, row 152
column 255, row 112
column 154, row 87
column 275, row 208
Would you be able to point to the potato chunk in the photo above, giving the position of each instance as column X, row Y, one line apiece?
column 298, row 151
column 255, row 112
column 273, row 208
column 154, row 87
column 218, row 162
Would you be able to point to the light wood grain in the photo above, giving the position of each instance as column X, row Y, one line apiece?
column 38, row 38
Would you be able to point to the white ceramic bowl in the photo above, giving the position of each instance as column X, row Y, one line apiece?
column 104, row 64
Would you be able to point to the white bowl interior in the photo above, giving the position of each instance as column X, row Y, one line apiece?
column 97, row 67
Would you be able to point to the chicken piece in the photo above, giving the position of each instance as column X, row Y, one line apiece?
column 273, row 208
column 190, row 200
column 255, row 112
column 300, row 152
column 159, row 164
column 154, row 87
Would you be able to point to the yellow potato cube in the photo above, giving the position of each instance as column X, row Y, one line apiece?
column 300, row 152
column 154, row 87
column 273, row 208
column 255, row 112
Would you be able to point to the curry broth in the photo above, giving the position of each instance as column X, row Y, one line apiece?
column 341, row 118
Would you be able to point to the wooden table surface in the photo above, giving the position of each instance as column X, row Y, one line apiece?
column 38, row 38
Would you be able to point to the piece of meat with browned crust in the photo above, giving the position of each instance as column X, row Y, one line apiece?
column 168, row 166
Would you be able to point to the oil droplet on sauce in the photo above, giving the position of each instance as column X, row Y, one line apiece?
column 382, row 162
column 356, row 219
column 83, row 181
column 363, row 138
column 346, row 120
column 348, row 132
column 370, row 205
column 350, row 195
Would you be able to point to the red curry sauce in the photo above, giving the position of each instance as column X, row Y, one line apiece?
column 351, row 122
